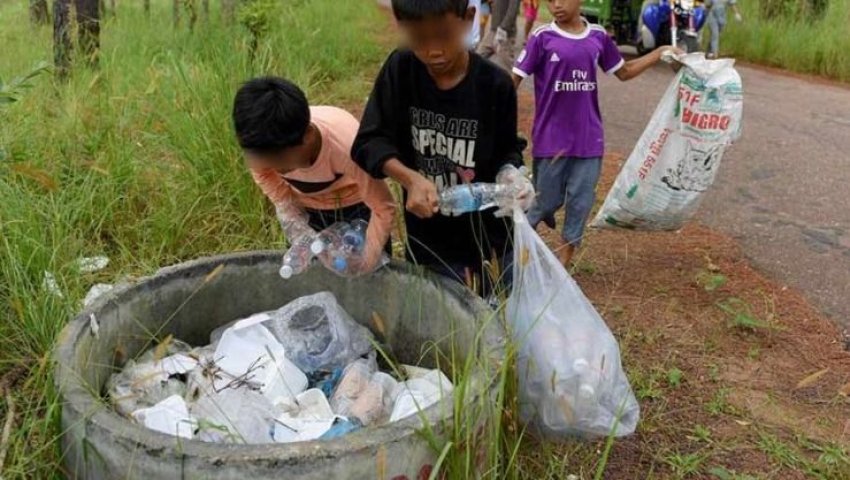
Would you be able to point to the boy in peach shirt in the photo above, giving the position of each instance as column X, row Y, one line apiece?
column 300, row 157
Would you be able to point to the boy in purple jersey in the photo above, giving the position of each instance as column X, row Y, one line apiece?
column 568, row 139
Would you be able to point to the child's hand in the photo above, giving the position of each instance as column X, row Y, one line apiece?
column 422, row 197
column 738, row 17
column 670, row 54
column 521, row 188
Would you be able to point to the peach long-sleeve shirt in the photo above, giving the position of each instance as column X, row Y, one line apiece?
column 333, row 181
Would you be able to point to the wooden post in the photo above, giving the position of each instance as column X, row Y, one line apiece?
column 38, row 12
column 62, row 37
column 88, row 28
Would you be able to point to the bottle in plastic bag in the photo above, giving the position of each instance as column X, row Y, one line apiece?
column 342, row 243
column 471, row 197
column 571, row 380
column 300, row 256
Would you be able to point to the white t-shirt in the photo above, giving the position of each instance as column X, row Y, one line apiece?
column 474, row 35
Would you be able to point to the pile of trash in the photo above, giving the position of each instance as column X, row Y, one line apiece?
column 303, row 372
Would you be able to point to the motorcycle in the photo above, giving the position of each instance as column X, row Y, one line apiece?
column 671, row 22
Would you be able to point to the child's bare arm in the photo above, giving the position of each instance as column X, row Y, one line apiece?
column 633, row 68
column 517, row 79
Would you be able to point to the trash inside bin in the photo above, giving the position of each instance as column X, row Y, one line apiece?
column 421, row 317
column 248, row 390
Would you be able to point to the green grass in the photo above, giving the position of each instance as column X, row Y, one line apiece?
column 137, row 161
column 794, row 41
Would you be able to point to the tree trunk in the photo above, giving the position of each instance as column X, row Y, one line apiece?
column 228, row 10
column 88, row 29
column 38, row 12
column 176, row 11
column 62, row 37
column 191, row 13
column 147, row 5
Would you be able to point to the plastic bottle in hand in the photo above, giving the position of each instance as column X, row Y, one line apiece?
column 350, row 244
column 354, row 239
column 299, row 256
column 470, row 197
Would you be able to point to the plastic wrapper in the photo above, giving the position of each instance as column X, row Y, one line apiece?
column 419, row 393
column 170, row 416
column 250, row 356
column 307, row 417
column 234, row 416
column 144, row 384
column 359, row 394
column 571, row 381
column 677, row 158
column 318, row 334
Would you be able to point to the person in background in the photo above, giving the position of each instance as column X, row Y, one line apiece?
column 567, row 135
column 474, row 36
column 500, row 38
column 300, row 157
column 485, row 14
column 530, row 9
column 717, row 22
column 439, row 115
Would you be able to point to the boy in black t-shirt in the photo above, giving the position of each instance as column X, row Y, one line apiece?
column 440, row 115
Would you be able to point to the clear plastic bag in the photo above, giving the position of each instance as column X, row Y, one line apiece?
column 318, row 334
column 145, row 384
column 234, row 416
column 676, row 159
column 571, row 381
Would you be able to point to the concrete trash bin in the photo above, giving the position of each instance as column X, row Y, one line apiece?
column 189, row 300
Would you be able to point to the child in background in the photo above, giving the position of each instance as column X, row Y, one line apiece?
column 530, row 9
column 440, row 115
column 485, row 14
column 717, row 22
column 567, row 135
column 473, row 38
column 300, row 156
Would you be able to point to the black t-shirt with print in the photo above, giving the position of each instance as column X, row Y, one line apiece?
column 465, row 134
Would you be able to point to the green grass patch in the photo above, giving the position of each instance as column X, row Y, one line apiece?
column 137, row 161
column 793, row 38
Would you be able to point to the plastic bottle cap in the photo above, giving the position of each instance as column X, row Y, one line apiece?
column 317, row 247
column 580, row 365
column 586, row 391
column 340, row 263
column 286, row 272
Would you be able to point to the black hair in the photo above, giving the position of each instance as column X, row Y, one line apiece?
column 270, row 114
column 407, row 10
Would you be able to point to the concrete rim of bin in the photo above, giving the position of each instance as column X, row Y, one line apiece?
column 99, row 414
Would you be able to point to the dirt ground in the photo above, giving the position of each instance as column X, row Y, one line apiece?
column 734, row 373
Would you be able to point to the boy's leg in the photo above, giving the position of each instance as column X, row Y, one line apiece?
column 488, row 43
column 580, row 195
column 713, row 34
column 530, row 15
column 549, row 181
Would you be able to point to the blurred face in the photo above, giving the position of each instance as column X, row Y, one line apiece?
column 564, row 10
column 438, row 42
column 284, row 161
column 289, row 158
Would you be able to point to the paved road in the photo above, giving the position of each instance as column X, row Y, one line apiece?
column 784, row 190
